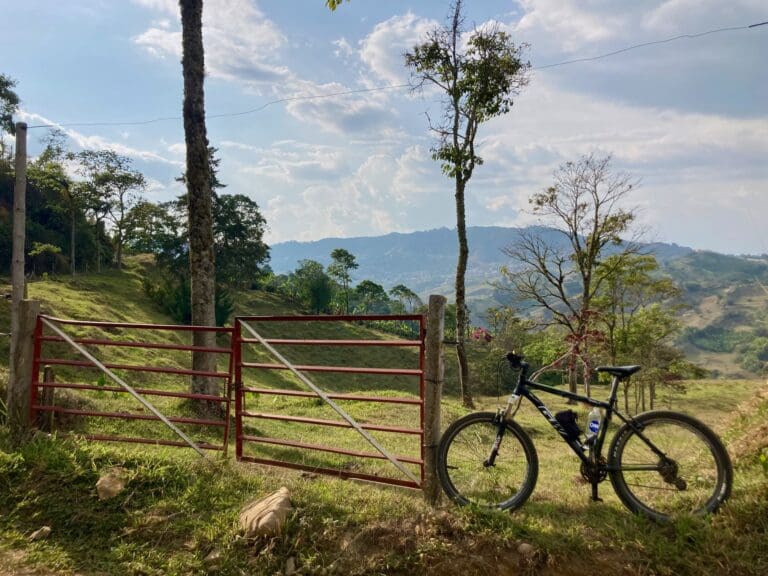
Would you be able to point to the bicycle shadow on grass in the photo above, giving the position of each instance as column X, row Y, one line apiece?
column 598, row 537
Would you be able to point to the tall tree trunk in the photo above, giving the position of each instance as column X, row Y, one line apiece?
column 461, row 311
column 72, row 243
column 119, row 250
column 201, row 256
column 98, row 247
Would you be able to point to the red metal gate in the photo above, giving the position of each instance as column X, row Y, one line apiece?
column 91, row 393
column 285, row 414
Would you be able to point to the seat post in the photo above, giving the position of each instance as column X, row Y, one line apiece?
column 614, row 390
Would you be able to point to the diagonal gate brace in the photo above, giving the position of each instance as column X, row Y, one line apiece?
column 339, row 410
column 122, row 383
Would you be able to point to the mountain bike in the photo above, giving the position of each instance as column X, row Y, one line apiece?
column 660, row 463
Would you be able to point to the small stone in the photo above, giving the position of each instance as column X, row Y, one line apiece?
column 266, row 517
column 111, row 483
column 526, row 550
column 213, row 561
column 290, row 566
column 40, row 534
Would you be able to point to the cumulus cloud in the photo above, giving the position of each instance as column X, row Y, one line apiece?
column 571, row 24
column 689, row 164
column 288, row 163
column 366, row 114
column 382, row 50
column 241, row 43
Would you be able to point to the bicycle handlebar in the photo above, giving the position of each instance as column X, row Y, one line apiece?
column 516, row 362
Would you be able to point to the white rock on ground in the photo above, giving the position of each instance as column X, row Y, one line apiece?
column 111, row 483
column 40, row 534
column 266, row 517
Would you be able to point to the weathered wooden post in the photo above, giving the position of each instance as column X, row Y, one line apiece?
column 434, row 376
column 19, row 228
column 17, row 400
column 22, row 361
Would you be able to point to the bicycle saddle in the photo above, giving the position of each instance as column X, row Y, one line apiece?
column 619, row 371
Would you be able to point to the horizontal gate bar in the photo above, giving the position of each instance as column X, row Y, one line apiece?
column 179, row 327
column 381, row 399
column 296, row 342
column 179, row 371
column 105, row 438
column 123, row 344
column 333, row 423
column 127, row 416
column 147, row 391
column 319, row 448
column 340, row 369
column 349, row 318
column 333, row 472
column 104, row 369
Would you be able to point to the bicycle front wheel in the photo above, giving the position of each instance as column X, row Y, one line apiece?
column 689, row 472
column 464, row 469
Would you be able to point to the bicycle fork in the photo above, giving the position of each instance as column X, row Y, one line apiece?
column 500, row 422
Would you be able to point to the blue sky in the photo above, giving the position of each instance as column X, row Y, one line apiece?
column 689, row 118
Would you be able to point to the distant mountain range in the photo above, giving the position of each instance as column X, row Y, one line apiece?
column 726, row 297
column 426, row 261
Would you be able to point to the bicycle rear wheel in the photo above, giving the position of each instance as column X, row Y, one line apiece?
column 462, row 463
column 694, row 475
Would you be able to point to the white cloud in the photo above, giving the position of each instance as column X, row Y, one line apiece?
column 571, row 24
column 94, row 142
column 382, row 50
column 241, row 43
column 366, row 114
column 343, row 48
column 690, row 165
column 693, row 15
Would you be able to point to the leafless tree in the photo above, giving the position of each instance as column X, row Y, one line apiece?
column 561, row 270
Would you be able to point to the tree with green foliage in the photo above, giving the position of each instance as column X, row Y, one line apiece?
column 313, row 286
column 239, row 235
column 562, row 278
column 110, row 189
column 343, row 262
column 155, row 229
column 371, row 298
column 633, row 284
column 9, row 103
column 407, row 297
column 44, row 252
column 478, row 75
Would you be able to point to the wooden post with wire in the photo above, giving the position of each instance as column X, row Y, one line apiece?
column 434, row 377
column 20, row 365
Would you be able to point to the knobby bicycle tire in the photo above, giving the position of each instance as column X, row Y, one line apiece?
column 465, row 447
column 696, row 479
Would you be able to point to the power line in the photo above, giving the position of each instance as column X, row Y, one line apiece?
column 652, row 43
column 392, row 86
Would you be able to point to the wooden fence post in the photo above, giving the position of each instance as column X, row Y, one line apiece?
column 22, row 360
column 434, row 376
column 19, row 227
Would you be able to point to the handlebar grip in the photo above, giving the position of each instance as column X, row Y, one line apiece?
column 515, row 360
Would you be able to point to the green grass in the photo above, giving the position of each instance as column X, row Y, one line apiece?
column 177, row 509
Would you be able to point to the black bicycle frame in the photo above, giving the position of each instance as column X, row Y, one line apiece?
column 524, row 389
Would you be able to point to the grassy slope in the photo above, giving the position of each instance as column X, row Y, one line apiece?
column 177, row 510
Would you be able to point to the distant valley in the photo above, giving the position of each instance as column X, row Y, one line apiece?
column 727, row 296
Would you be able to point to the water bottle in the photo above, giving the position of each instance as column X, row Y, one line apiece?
column 593, row 423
